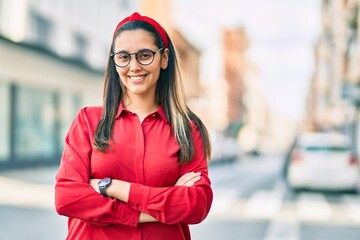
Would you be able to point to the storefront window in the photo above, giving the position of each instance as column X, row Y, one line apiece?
column 4, row 122
column 35, row 137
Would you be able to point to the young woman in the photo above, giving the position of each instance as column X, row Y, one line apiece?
column 136, row 168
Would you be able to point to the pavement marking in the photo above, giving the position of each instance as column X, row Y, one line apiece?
column 285, row 215
column 313, row 207
column 263, row 205
column 20, row 193
column 352, row 207
column 283, row 228
column 340, row 216
column 266, row 204
column 223, row 201
column 283, row 225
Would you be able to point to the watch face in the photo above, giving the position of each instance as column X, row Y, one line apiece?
column 104, row 182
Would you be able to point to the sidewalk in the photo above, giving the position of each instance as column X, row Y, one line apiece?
column 33, row 187
column 27, row 208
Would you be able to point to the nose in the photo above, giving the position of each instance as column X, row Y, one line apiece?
column 134, row 65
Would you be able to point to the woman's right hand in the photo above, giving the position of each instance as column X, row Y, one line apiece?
column 188, row 179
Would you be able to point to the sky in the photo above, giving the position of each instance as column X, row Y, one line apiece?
column 282, row 36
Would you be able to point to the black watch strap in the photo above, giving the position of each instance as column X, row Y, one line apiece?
column 103, row 184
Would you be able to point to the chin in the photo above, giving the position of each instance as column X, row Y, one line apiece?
column 137, row 92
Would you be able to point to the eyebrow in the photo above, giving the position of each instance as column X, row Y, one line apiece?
column 143, row 49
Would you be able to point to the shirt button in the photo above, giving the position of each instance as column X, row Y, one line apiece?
column 123, row 219
column 132, row 221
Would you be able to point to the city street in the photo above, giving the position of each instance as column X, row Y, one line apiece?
column 266, row 78
column 251, row 202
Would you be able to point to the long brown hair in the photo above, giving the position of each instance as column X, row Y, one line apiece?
column 169, row 94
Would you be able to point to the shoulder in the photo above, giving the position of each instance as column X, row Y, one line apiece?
column 92, row 111
column 194, row 125
column 198, row 128
column 90, row 114
column 195, row 129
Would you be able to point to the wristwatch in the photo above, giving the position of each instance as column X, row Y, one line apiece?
column 103, row 184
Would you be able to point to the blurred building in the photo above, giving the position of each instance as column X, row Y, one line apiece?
column 235, row 43
column 53, row 54
column 232, row 100
column 189, row 55
column 52, row 59
column 334, row 99
column 249, row 118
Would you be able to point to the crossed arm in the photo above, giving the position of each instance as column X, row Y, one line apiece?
column 119, row 190
column 188, row 201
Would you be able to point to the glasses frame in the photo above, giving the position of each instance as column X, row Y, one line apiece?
column 112, row 55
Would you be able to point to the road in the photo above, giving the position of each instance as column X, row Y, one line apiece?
column 251, row 202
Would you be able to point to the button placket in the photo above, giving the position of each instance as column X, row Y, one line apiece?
column 140, row 150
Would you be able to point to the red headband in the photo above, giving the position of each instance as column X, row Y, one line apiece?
column 137, row 17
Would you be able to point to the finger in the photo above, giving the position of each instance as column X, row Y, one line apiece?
column 192, row 181
column 193, row 178
column 187, row 177
column 184, row 178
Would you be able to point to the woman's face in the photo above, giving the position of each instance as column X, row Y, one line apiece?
column 139, row 79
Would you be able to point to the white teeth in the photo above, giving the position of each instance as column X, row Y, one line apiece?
column 136, row 77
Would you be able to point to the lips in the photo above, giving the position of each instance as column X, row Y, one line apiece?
column 137, row 78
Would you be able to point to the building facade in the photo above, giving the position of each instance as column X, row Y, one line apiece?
column 235, row 43
column 53, row 55
column 334, row 99
column 52, row 59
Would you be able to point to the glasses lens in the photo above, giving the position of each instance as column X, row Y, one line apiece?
column 122, row 59
column 145, row 57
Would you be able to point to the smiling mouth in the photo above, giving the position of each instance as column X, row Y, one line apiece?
column 137, row 78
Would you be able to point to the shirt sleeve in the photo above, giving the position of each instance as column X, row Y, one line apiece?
column 74, row 196
column 176, row 204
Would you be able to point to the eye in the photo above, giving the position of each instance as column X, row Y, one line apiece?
column 123, row 57
column 144, row 55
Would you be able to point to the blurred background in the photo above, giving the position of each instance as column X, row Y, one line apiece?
column 277, row 83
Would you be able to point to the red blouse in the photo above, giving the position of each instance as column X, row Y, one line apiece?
column 146, row 155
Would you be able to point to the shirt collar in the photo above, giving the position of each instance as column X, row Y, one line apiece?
column 162, row 114
column 120, row 110
column 159, row 111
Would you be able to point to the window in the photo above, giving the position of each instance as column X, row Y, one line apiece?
column 34, row 134
column 41, row 28
column 4, row 122
column 81, row 46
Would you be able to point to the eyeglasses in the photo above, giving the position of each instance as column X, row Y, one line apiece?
column 144, row 57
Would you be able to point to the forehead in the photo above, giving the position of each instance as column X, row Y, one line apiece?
column 134, row 40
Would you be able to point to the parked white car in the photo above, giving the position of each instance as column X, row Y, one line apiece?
column 322, row 161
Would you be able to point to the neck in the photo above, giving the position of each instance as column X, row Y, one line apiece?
column 141, row 105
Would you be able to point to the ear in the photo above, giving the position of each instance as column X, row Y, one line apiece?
column 165, row 59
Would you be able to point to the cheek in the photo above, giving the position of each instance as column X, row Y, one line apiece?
column 156, row 74
column 119, row 72
column 122, row 77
